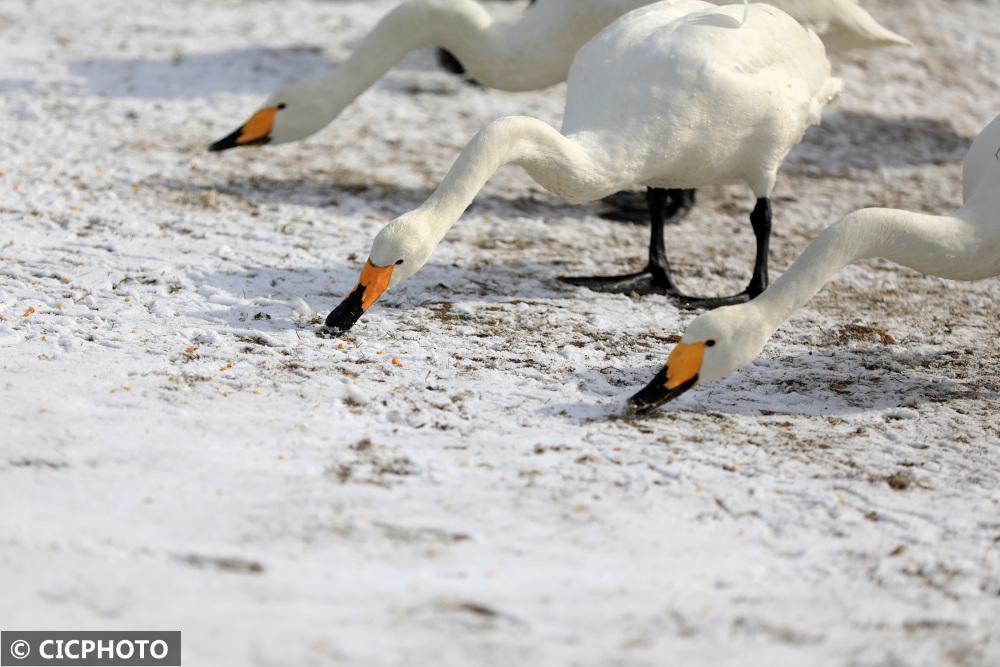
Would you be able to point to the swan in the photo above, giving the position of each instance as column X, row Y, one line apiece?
column 699, row 97
column 528, row 54
column 962, row 246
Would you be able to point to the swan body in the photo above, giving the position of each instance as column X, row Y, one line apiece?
column 962, row 246
column 677, row 94
column 533, row 52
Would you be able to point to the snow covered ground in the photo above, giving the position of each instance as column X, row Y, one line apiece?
column 179, row 451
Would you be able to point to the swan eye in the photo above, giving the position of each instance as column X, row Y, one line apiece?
column 282, row 105
column 399, row 261
column 710, row 342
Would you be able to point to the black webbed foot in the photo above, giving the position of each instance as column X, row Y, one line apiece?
column 643, row 283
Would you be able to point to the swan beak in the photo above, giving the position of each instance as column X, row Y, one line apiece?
column 374, row 280
column 679, row 375
column 254, row 132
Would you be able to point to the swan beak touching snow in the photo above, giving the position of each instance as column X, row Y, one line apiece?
column 679, row 375
column 374, row 280
column 254, row 132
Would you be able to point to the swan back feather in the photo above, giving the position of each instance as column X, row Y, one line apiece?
column 749, row 93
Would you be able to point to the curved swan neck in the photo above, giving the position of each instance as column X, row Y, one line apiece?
column 555, row 162
column 408, row 27
column 938, row 245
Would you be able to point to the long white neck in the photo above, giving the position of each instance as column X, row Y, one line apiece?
column 558, row 164
column 962, row 246
column 407, row 27
column 528, row 54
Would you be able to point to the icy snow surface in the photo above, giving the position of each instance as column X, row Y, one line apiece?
column 180, row 451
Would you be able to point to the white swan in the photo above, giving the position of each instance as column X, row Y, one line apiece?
column 962, row 246
column 677, row 94
column 531, row 53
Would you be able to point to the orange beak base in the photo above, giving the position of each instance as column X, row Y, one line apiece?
column 374, row 280
column 255, row 132
column 678, row 375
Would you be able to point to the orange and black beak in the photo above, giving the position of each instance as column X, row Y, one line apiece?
column 679, row 375
column 255, row 132
column 373, row 281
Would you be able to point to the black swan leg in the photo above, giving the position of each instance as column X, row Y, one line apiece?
column 760, row 219
column 665, row 206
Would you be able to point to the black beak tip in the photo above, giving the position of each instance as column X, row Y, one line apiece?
column 655, row 394
column 346, row 315
column 231, row 141
column 226, row 142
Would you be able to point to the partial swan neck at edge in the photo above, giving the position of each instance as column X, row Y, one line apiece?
column 937, row 245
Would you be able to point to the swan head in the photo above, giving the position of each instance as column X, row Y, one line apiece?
column 715, row 344
column 399, row 250
column 292, row 113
